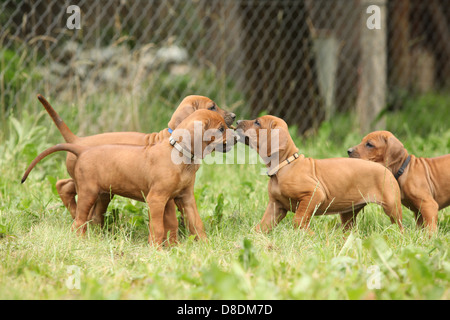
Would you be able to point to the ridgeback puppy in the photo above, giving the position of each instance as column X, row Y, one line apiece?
column 66, row 187
column 156, row 175
column 314, row 187
column 424, row 182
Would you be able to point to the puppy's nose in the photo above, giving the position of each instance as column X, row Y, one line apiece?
column 238, row 122
column 233, row 116
column 350, row 151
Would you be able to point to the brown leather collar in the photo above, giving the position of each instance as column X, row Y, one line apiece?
column 294, row 157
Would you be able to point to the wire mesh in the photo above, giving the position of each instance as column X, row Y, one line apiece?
column 302, row 60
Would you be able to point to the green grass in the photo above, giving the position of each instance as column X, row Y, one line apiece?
column 38, row 251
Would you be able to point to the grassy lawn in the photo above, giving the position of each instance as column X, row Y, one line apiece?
column 40, row 258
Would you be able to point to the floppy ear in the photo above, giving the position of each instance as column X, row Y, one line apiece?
column 184, row 110
column 199, row 141
column 263, row 144
column 394, row 151
column 283, row 136
column 272, row 141
column 279, row 137
column 206, row 124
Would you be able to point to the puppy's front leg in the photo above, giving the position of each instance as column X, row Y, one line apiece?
column 273, row 215
column 170, row 223
column 156, row 205
column 186, row 204
column 305, row 211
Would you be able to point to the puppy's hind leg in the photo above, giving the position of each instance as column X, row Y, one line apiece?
column 429, row 211
column 67, row 192
column 348, row 218
column 393, row 209
column 86, row 200
column 97, row 214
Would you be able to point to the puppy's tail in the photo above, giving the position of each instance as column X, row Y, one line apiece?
column 75, row 149
column 68, row 135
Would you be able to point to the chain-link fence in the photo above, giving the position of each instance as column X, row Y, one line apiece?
column 303, row 60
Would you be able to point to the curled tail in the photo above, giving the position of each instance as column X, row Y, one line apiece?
column 75, row 149
column 68, row 135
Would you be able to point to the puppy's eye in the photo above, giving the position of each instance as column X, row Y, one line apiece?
column 257, row 122
column 369, row 145
column 212, row 108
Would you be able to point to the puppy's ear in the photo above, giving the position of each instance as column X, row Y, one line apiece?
column 199, row 127
column 184, row 110
column 394, row 151
column 283, row 136
column 206, row 123
column 263, row 144
column 279, row 137
column 272, row 141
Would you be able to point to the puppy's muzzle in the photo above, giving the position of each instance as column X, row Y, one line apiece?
column 352, row 153
column 230, row 140
column 242, row 137
column 229, row 118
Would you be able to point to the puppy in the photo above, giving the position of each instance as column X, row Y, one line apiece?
column 66, row 187
column 314, row 187
column 424, row 182
column 156, row 175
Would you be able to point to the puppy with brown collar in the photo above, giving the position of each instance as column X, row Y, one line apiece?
column 424, row 182
column 156, row 175
column 314, row 187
